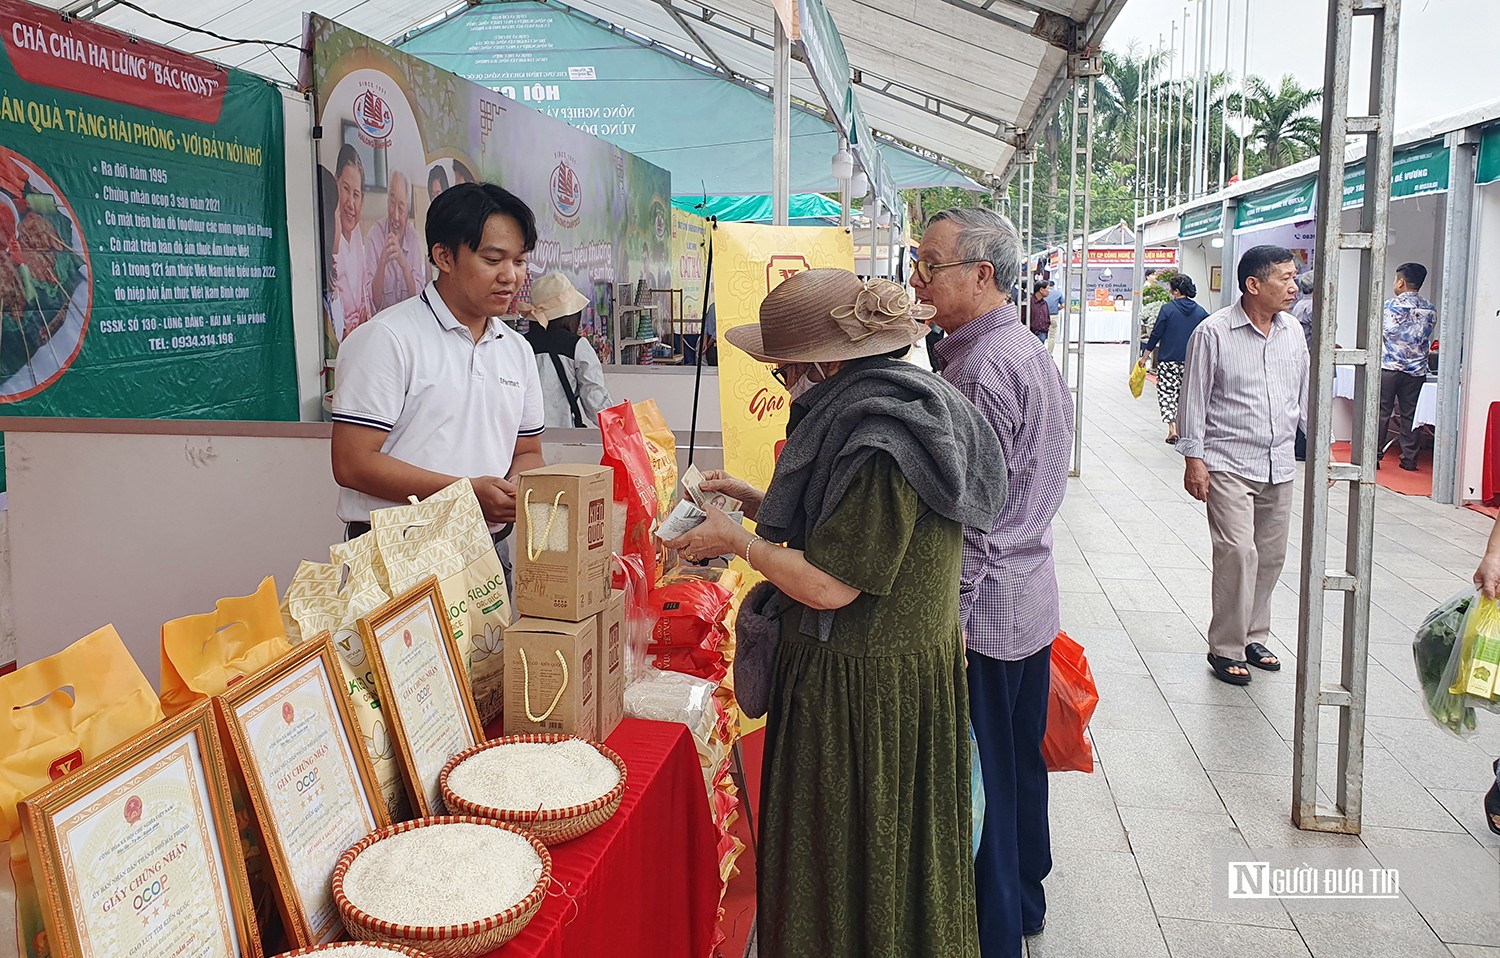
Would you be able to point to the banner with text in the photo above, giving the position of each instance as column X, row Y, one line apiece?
column 749, row 262
column 142, row 216
column 397, row 131
column 690, row 261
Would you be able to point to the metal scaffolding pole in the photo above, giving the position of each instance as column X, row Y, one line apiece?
column 781, row 156
column 1026, row 164
column 1458, row 230
column 1351, row 576
column 1084, row 71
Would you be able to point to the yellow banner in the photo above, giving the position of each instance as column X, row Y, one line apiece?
column 690, row 260
column 749, row 262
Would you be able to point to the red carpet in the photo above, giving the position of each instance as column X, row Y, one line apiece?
column 1492, row 511
column 739, row 900
column 1392, row 476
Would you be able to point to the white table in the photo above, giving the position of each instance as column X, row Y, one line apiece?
column 1426, row 415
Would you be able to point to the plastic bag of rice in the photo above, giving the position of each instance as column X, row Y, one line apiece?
column 445, row 874
column 534, row 776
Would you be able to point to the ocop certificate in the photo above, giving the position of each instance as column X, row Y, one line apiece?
column 311, row 783
column 428, row 699
column 145, row 862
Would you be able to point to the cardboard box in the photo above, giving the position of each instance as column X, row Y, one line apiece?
column 555, row 688
column 610, row 664
column 562, row 541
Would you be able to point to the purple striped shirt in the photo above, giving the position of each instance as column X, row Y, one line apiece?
column 1008, row 599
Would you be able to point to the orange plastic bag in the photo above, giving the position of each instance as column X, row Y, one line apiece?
column 1070, row 705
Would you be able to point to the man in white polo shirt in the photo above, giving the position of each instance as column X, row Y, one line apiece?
column 437, row 387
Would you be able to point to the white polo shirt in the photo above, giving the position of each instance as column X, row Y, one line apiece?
column 447, row 403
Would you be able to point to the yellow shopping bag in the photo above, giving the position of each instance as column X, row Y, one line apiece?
column 1137, row 380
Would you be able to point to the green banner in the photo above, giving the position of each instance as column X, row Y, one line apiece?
column 1416, row 171
column 1284, row 204
column 143, row 215
column 1489, row 157
column 1201, row 222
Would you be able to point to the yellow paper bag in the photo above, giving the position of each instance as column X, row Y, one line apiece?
column 332, row 597
column 59, row 713
column 445, row 535
column 202, row 655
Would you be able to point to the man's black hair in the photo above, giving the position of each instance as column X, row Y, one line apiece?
column 1258, row 262
column 1415, row 274
column 459, row 214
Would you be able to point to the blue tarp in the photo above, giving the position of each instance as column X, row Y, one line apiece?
column 714, row 135
column 807, row 209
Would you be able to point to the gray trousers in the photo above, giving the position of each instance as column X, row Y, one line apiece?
column 1248, row 523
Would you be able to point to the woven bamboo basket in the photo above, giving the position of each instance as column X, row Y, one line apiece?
column 467, row 940
column 339, row 946
column 554, row 825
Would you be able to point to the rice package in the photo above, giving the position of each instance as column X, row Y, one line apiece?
column 332, row 597
column 202, row 655
column 445, row 535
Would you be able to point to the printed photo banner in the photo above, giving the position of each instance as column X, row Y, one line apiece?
column 396, row 131
column 142, row 230
column 690, row 262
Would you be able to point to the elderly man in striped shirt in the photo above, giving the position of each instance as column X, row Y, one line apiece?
column 1008, row 594
column 1244, row 399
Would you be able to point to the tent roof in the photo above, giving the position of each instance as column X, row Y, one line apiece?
column 633, row 93
column 806, row 207
column 957, row 77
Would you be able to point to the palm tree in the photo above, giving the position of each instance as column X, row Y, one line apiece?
column 1280, row 124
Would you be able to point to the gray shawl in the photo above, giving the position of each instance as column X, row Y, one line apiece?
column 940, row 442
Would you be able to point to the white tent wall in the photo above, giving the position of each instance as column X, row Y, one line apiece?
column 1194, row 257
column 1481, row 386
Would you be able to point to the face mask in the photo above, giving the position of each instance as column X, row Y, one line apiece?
column 806, row 382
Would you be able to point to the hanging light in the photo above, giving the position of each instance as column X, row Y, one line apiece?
column 859, row 185
column 1217, row 242
column 883, row 216
column 843, row 164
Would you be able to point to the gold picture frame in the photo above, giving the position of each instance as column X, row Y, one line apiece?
column 139, row 849
column 300, row 783
column 1215, row 279
column 448, row 721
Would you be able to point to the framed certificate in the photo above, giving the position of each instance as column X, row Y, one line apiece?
column 137, row 853
column 422, row 683
column 309, row 779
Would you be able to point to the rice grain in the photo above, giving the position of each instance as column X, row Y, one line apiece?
column 530, row 776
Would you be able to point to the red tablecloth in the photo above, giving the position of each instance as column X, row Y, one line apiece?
column 1490, row 492
column 645, row 883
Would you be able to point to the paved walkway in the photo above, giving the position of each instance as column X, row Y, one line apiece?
column 1189, row 768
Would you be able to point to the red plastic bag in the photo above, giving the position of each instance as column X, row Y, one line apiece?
column 635, row 484
column 1069, row 708
column 689, row 628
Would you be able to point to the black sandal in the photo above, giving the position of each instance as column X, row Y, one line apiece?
column 1255, row 653
column 1221, row 665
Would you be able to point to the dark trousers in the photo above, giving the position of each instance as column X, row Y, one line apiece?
column 1403, row 390
column 1008, row 706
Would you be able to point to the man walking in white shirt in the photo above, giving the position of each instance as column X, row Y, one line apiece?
column 1244, row 399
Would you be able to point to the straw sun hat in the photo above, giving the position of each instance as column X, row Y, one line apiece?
column 552, row 297
column 830, row 315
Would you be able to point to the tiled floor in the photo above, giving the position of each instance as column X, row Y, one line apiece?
column 1188, row 767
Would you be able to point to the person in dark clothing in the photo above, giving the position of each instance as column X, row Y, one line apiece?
column 1174, row 324
column 1041, row 313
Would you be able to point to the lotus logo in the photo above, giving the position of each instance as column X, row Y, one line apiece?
column 133, row 809
column 373, row 115
column 567, row 193
column 288, row 713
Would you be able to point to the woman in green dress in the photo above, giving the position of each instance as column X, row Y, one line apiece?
column 865, row 838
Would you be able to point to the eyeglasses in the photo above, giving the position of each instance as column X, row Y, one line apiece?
column 925, row 270
column 780, row 374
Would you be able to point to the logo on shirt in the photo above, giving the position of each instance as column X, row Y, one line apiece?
column 567, row 192
column 373, row 116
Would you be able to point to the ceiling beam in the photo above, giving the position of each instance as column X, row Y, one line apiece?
column 86, row 9
column 693, row 35
column 970, row 119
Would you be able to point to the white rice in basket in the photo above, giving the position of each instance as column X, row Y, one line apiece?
column 530, row 776
column 361, row 949
column 443, row 875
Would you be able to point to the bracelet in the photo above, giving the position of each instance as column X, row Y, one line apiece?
column 753, row 541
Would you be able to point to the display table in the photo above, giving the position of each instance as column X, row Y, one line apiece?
column 646, row 883
column 1426, row 411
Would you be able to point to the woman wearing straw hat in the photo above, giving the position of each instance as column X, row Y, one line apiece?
column 865, row 841
column 573, row 389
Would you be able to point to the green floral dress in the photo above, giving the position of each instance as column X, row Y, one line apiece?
column 865, row 835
